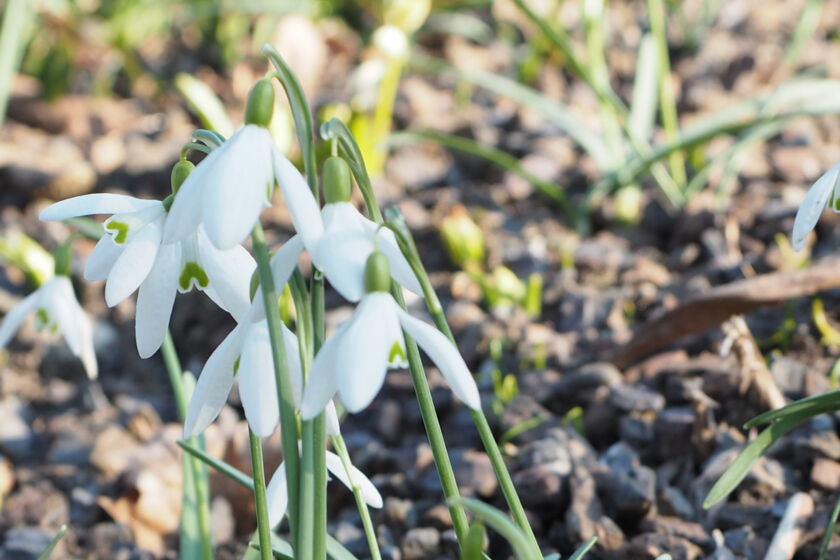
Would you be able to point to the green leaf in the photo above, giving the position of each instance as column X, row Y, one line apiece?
column 497, row 157
column 88, row 227
column 474, row 544
column 231, row 472
column 739, row 469
column 583, row 549
column 503, row 525
column 829, row 530
column 810, row 406
column 645, row 90
column 53, row 543
column 204, row 103
column 301, row 114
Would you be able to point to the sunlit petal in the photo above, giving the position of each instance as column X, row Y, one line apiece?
column 321, row 385
column 155, row 300
column 133, row 265
column 229, row 273
column 99, row 203
column 257, row 387
column 298, row 199
column 356, row 478
column 341, row 256
column 812, row 207
column 277, row 496
column 102, row 259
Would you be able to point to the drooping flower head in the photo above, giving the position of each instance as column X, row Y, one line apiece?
column 132, row 255
column 353, row 362
column 57, row 311
column 234, row 183
column 347, row 241
column 825, row 192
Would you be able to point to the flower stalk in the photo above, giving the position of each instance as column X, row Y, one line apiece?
column 263, row 525
column 364, row 512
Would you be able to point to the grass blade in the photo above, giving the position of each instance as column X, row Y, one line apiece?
column 809, row 19
column 583, row 549
column 503, row 525
column 645, row 94
column 739, row 469
column 206, row 105
column 829, row 530
column 16, row 15
column 53, row 543
column 810, row 406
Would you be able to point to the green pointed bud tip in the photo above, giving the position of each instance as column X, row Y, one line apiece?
column 377, row 273
column 61, row 259
column 336, row 179
column 180, row 172
column 260, row 105
column 255, row 283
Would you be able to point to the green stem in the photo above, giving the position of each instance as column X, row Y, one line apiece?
column 288, row 421
column 367, row 523
column 667, row 101
column 306, row 518
column 263, row 526
column 319, row 426
column 197, row 468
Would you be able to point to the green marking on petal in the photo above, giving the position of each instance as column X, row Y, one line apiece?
column 42, row 318
column 837, row 204
column 121, row 230
column 396, row 352
column 268, row 186
column 191, row 272
column 236, row 365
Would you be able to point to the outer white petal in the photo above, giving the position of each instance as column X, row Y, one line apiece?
column 73, row 323
column 342, row 216
column 341, row 256
column 400, row 269
column 213, row 387
column 298, row 199
column 321, row 385
column 257, row 387
column 356, row 478
column 102, row 259
column 99, row 203
column 285, row 260
column 277, row 496
column 362, row 358
column 134, row 264
column 331, row 417
column 185, row 212
column 229, row 273
column 239, row 188
column 290, row 343
column 155, row 300
column 13, row 319
column 445, row 356
column 813, row 205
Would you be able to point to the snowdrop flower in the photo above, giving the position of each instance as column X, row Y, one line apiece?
column 57, row 311
column 346, row 243
column 354, row 360
column 234, row 183
column 131, row 255
column 825, row 192
column 246, row 354
column 277, row 491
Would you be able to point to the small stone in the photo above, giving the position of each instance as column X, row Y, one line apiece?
column 826, row 474
column 673, row 502
column 631, row 398
column 222, row 525
column 474, row 473
column 389, row 424
column 673, row 428
column 420, row 543
column 24, row 543
column 16, row 436
column 542, row 488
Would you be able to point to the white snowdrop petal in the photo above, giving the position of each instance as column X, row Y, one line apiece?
column 298, row 198
column 292, row 348
column 185, row 212
column 133, row 265
column 343, row 216
column 400, row 269
column 73, row 323
column 155, row 299
column 284, row 261
column 14, row 318
column 98, row 203
column 277, row 496
column 812, row 207
column 341, row 256
column 445, row 356
column 362, row 358
column 356, row 478
column 331, row 418
column 257, row 387
column 229, row 273
column 102, row 259
column 213, row 386
column 239, row 188
column 321, row 385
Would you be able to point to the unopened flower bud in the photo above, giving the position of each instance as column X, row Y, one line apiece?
column 336, row 180
column 463, row 239
column 377, row 273
column 260, row 105
column 179, row 174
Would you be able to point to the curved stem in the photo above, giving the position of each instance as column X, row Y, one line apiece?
column 364, row 512
column 288, row 421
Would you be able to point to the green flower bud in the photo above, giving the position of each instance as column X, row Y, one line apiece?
column 180, row 172
column 260, row 105
column 377, row 273
column 336, row 180
column 463, row 239
column 61, row 259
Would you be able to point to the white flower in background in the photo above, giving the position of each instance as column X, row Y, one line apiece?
column 353, row 362
column 277, row 491
column 825, row 192
column 346, row 243
column 234, row 183
column 56, row 310
column 131, row 256
column 391, row 41
column 245, row 354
